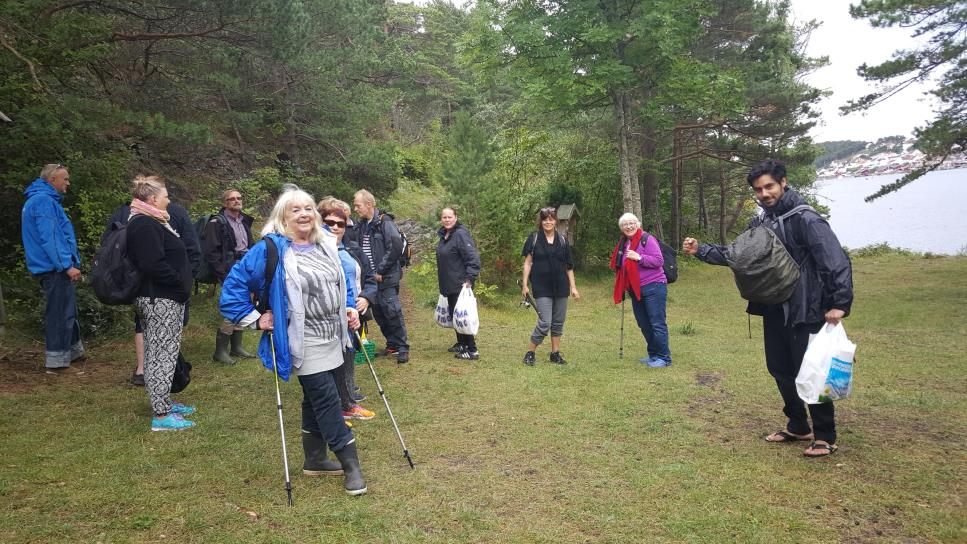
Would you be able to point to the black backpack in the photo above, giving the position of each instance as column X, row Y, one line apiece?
column 114, row 277
column 271, row 263
column 670, row 257
column 764, row 270
column 406, row 255
column 205, row 273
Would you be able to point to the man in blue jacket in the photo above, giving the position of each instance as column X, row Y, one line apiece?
column 51, row 250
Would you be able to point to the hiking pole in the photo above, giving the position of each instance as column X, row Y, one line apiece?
column 382, row 394
column 750, row 326
column 278, row 402
column 621, row 343
column 529, row 300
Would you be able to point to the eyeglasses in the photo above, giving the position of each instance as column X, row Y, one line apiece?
column 334, row 223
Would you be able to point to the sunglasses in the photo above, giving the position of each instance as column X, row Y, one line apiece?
column 334, row 223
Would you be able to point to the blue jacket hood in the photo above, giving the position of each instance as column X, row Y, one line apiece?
column 41, row 187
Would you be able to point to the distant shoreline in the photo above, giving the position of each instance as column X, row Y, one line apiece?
column 898, row 172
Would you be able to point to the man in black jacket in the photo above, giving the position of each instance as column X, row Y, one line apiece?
column 228, row 236
column 823, row 295
column 181, row 222
column 382, row 244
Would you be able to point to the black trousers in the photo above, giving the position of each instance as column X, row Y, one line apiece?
column 466, row 340
column 389, row 316
column 785, row 346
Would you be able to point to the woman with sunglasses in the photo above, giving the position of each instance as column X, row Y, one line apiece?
column 458, row 265
column 361, row 287
column 548, row 265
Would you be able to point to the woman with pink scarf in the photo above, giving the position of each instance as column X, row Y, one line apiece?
column 158, row 252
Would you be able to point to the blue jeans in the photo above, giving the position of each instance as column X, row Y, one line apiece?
column 322, row 410
column 650, row 315
column 62, row 333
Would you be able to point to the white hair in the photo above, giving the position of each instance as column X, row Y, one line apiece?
column 292, row 194
column 628, row 216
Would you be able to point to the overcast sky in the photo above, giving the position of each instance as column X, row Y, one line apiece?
column 849, row 43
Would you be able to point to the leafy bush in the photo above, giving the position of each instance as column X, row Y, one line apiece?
column 880, row 250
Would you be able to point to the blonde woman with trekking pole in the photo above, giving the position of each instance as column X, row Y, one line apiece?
column 296, row 273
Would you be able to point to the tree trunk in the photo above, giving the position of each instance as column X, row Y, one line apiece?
column 676, row 202
column 723, row 193
column 649, row 146
column 627, row 156
column 702, row 208
column 3, row 313
column 231, row 116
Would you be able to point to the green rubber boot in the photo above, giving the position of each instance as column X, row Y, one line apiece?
column 221, row 355
column 237, row 349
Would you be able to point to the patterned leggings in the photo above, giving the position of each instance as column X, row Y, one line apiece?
column 162, row 322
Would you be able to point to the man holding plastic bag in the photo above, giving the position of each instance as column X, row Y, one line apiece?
column 822, row 295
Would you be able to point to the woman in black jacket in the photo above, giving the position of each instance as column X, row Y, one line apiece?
column 158, row 252
column 458, row 265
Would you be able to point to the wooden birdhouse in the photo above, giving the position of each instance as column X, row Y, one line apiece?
column 567, row 220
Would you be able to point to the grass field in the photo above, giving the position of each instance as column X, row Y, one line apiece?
column 601, row 450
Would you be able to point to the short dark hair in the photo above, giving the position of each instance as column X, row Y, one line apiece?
column 772, row 167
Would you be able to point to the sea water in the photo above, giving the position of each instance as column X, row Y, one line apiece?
column 927, row 215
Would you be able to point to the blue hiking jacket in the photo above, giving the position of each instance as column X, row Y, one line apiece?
column 247, row 277
column 48, row 235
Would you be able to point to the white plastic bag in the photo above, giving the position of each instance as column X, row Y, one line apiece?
column 465, row 318
column 827, row 367
column 442, row 313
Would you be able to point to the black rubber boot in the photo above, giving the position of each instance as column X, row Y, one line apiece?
column 221, row 349
column 317, row 461
column 350, row 466
column 237, row 349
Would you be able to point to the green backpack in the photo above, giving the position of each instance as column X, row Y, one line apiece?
column 764, row 270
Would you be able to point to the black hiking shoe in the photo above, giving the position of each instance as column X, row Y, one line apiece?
column 557, row 359
column 403, row 357
column 529, row 358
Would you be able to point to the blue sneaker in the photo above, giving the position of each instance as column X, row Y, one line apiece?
column 645, row 360
column 171, row 422
column 657, row 363
column 181, row 409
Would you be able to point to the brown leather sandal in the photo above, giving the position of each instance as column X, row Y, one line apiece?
column 783, row 436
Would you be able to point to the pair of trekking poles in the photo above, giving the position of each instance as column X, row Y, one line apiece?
column 278, row 403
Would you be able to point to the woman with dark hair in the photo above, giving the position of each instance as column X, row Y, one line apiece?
column 307, row 291
column 158, row 252
column 549, row 267
column 360, row 284
column 458, row 265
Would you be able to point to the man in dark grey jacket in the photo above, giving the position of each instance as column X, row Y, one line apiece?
column 823, row 295
column 380, row 239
